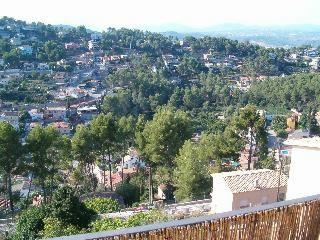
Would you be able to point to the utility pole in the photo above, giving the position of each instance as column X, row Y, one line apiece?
column 280, row 169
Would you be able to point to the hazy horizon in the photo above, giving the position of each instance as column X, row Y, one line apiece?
column 165, row 15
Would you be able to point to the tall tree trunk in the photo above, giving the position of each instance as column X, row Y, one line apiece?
column 110, row 171
column 104, row 174
column 122, row 161
column 250, row 150
column 10, row 192
column 150, row 186
column 29, row 188
column 104, row 179
column 44, row 190
column 52, row 179
column 91, row 170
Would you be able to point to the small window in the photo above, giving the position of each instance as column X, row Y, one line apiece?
column 244, row 204
column 281, row 196
column 264, row 201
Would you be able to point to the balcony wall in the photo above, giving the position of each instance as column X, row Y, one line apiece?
column 294, row 219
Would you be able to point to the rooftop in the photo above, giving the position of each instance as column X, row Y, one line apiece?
column 60, row 125
column 15, row 114
column 57, row 108
column 313, row 142
column 247, row 181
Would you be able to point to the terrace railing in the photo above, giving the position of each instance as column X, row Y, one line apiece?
column 293, row 219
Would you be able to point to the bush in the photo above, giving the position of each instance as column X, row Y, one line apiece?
column 282, row 134
column 55, row 228
column 107, row 224
column 139, row 219
column 102, row 205
column 144, row 218
column 30, row 223
column 67, row 208
column 129, row 192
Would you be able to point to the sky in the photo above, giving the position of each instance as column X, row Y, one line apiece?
column 163, row 14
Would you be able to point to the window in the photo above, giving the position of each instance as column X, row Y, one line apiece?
column 244, row 204
column 281, row 196
column 264, row 201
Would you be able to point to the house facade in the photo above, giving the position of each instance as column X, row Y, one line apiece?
column 241, row 189
column 10, row 117
column 62, row 127
column 56, row 113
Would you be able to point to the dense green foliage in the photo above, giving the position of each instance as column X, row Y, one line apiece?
column 67, row 208
column 102, row 205
column 192, row 175
column 129, row 192
column 64, row 215
column 295, row 91
column 31, row 222
column 139, row 219
column 55, row 228
column 165, row 134
column 10, row 153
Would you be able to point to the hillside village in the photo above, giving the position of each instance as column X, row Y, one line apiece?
column 131, row 115
column 75, row 85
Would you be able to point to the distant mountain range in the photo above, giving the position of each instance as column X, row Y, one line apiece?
column 270, row 36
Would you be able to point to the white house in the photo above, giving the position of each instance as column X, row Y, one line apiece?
column 26, row 50
column 35, row 114
column 5, row 80
column 93, row 45
column 87, row 113
column 15, row 41
column 10, row 117
column 71, row 45
column 241, row 189
column 304, row 177
column 62, row 127
column 132, row 160
column 43, row 66
column 56, row 113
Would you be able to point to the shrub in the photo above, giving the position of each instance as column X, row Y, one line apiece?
column 30, row 222
column 139, row 219
column 129, row 192
column 102, row 205
column 55, row 228
column 107, row 224
column 144, row 218
column 68, row 209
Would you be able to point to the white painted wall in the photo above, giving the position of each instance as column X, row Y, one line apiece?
column 222, row 196
column 304, row 175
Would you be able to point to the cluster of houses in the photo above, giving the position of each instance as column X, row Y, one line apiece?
column 62, row 118
column 86, row 60
column 213, row 59
column 127, row 167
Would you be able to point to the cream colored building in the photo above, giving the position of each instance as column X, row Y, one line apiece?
column 241, row 189
column 10, row 117
column 304, row 174
column 56, row 113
